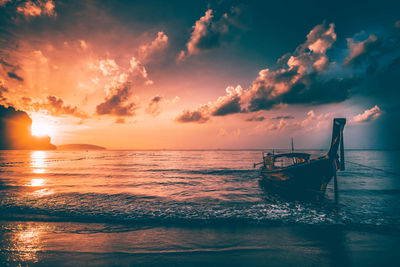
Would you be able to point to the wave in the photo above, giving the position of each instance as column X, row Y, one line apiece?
column 207, row 171
column 147, row 210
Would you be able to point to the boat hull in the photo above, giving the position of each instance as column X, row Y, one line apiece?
column 308, row 179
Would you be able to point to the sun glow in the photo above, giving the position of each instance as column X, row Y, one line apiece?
column 42, row 127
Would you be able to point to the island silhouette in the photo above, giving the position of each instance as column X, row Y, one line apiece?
column 80, row 147
column 15, row 131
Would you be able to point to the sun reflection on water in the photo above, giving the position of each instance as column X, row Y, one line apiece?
column 25, row 244
column 39, row 166
column 38, row 160
column 37, row 182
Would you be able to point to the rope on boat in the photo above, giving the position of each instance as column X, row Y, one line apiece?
column 374, row 168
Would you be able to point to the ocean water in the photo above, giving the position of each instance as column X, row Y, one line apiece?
column 190, row 207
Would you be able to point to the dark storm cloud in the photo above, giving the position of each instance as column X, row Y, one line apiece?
column 15, row 76
column 117, row 102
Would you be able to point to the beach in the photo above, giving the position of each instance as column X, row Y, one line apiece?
column 180, row 208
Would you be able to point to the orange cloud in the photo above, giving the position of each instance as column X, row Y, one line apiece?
column 294, row 79
column 154, row 107
column 117, row 102
column 200, row 115
column 40, row 8
column 368, row 115
column 136, row 67
column 108, row 67
column 148, row 51
column 55, row 106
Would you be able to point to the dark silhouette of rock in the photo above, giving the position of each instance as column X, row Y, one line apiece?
column 80, row 147
column 15, row 131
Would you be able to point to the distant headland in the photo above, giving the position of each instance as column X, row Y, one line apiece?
column 80, row 147
column 15, row 131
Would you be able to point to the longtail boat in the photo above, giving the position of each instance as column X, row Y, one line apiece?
column 302, row 176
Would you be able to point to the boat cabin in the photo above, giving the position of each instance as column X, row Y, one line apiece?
column 274, row 161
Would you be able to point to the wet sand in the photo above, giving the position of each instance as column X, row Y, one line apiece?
column 90, row 244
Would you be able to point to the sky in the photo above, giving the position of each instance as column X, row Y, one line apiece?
column 203, row 74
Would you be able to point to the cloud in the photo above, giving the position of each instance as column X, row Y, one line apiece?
column 311, row 123
column 37, row 8
column 83, row 44
column 158, row 103
column 368, row 115
column 117, row 102
column 200, row 115
column 222, row 132
column 285, row 117
column 154, row 107
column 120, row 120
column 255, row 117
column 38, row 54
column 228, row 104
column 3, row 90
column 308, row 76
column 4, row 2
column 55, row 106
column 108, row 67
column 207, row 34
column 136, row 67
column 15, row 76
column 147, row 52
column 359, row 49
column 119, row 88
column 224, row 105
column 10, row 70
column 119, row 75
column 302, row 77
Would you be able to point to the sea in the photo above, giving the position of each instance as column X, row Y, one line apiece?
column 191, row 208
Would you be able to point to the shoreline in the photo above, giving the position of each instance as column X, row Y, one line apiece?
column 95, row 244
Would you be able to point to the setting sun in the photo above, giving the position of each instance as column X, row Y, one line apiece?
column 42, row 128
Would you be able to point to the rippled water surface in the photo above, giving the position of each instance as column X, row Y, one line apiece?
column 118, row 191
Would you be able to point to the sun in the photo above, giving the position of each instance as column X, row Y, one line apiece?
column 41, row 127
